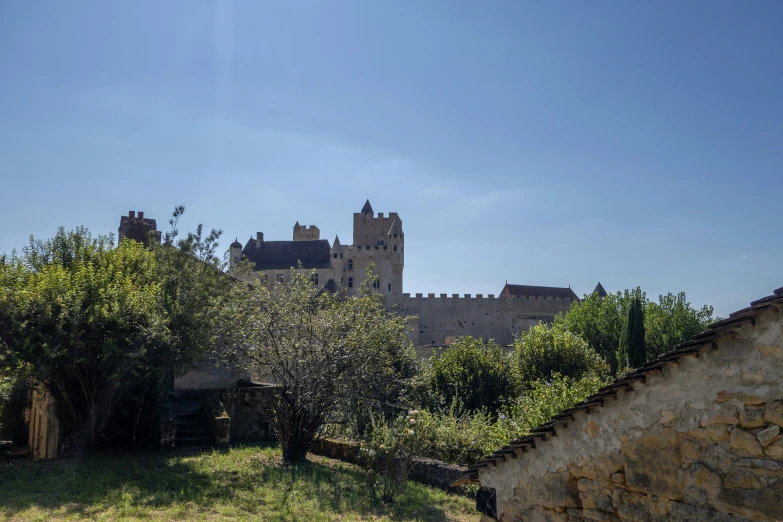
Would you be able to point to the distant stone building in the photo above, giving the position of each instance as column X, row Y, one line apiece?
column 380, row 240
column 138, row 228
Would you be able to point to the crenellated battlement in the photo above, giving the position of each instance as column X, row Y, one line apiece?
column 407, row 297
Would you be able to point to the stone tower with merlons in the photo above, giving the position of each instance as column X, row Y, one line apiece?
column 378, row 240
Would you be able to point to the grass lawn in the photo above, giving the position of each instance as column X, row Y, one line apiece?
column 247, row 483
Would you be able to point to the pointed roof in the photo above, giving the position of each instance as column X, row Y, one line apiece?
column 599, row 289
column 236, row 244
column 367, row 208
column 296, row 225
column 336, row 241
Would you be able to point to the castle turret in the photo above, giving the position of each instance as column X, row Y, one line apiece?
column 235, row 253
column 138, row 228
column 306, row 233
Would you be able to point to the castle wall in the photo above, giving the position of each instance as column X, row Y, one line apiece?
column 388, row 267
column 443, row 318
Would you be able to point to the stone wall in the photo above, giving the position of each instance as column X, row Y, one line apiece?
column 425, row 471
column 699, row 440
column 247, row 410
column 443, row 318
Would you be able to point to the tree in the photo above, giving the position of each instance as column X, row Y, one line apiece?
column 546, row 350
column 329, row 355
column 476, row 374
column 105, row 329
column 671, row 321
column 632, row 350
column 599, row 321
column 85, row 317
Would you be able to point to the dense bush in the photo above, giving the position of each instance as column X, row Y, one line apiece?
column 476, row 374
column 466, row 437
column 389, row 450
column 547, row 350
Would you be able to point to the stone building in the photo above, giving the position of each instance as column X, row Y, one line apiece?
column 139, row 228
column 380, row 240
column 694, row 435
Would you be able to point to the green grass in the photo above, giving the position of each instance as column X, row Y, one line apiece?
column 247, row 483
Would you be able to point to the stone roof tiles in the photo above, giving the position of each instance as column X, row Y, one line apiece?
column 704, row 340
column 539, row 291
column 276, row 255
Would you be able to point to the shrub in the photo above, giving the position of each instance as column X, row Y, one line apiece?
column 547, row 350
column 389, row 452
column 465, row 437
column 477, row 375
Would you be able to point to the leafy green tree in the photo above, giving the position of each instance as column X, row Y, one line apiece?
column 85, row 317
column 546, row 350
column 105, row 329
column 475, row 374
column 330, row 355
column 599, row 321
column 671, row 321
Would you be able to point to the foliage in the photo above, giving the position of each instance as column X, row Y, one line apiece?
column 245, row 483
column 671, row 321
column 331, row 356
column 465, row 437
column 105, row 328
column 389, row 451
column 84, row 316
column 599, row 321
column 632, row 352
column 476, row 374
column 547, row 350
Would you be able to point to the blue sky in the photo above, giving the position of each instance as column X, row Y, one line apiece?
column 550, row 143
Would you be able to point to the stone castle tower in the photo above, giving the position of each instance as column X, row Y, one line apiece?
column 138, row 227
column 377, row 240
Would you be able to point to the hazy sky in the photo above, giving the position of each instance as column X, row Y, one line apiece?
column 547, row 143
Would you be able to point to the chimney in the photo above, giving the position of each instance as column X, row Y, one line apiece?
column 260, row 237
column 141, row 217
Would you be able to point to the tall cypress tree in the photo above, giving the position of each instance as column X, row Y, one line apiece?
column 625, row 338
column 633, row 351
column 637, row 349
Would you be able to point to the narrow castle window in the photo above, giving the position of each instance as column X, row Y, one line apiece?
column 376, row 247
column 350, row 264
column 314, row 279
column 350, row 282
column 395, row 248
column 341, row 256
column 376, row 284
column 389, row 287
column 280, row 278
column 335, row 255
column 359, row 247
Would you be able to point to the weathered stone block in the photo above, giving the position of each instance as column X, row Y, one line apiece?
column 765, row 504
column 747, row 442
column 691, row 449
column 751, row 399
column 751, row 417
column 724, row 396
column 774, row 412
column 775, row 448
column 766, row 464
column 652, row 464
column 767, row 435
column 741, row 479
column 724, row 419
column 714, row 433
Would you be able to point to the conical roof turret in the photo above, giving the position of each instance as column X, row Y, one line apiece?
column 236, row 243
column 599, row 289
column 367, row 208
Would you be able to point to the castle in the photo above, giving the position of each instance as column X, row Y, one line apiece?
column 379, row 240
